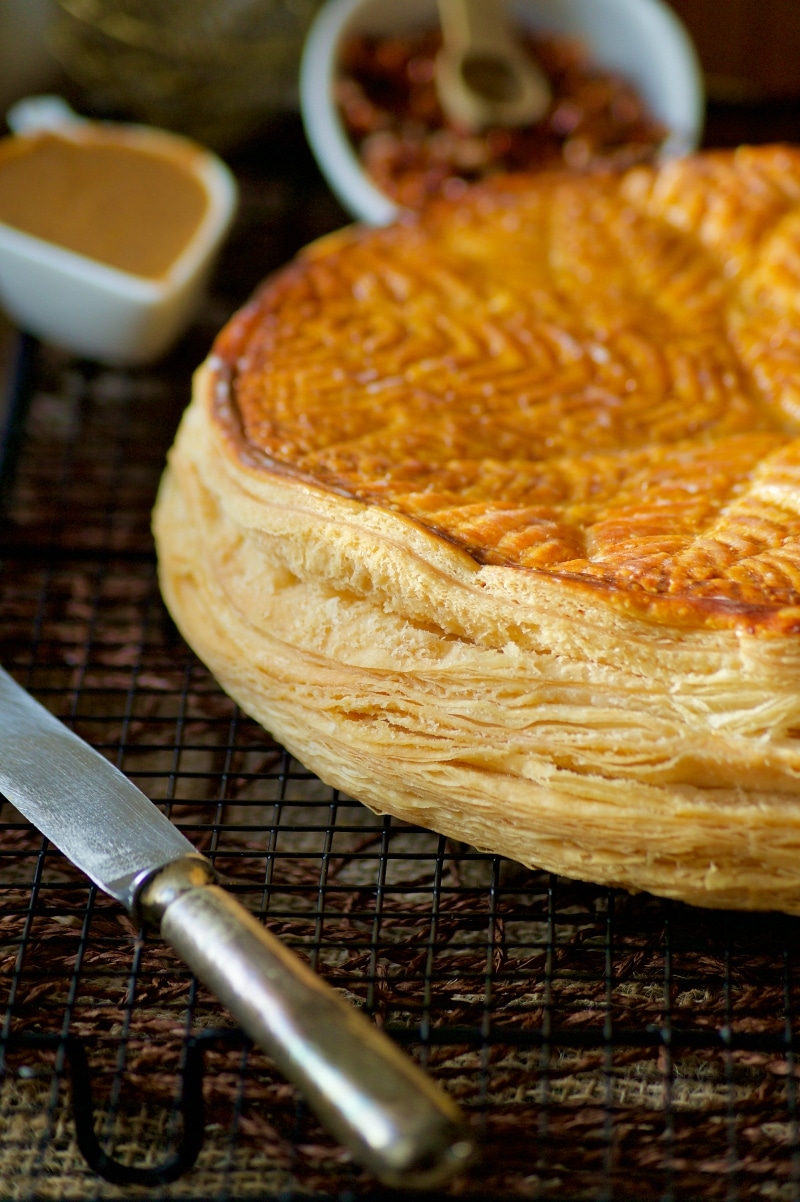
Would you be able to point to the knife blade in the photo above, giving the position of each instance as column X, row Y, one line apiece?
column 367, row 1093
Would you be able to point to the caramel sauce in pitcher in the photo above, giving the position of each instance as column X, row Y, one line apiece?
column 115, row 202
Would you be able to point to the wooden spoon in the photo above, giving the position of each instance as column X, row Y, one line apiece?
column 483, row 75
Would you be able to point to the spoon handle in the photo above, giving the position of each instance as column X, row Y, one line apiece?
column 480, row 24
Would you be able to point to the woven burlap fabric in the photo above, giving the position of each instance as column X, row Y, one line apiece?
column 595, row 1104
column 39, row 1157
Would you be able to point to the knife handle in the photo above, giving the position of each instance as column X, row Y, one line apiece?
column 365, row 1091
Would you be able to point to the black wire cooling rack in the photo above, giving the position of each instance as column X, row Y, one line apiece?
column 604, row 1046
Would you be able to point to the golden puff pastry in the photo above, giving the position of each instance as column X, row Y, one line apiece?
column 492, row 517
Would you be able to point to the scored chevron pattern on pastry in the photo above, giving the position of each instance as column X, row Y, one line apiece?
column 594, row 376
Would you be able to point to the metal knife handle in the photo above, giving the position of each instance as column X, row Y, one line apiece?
column 364, row 1090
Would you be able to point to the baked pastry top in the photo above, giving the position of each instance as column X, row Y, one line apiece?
column 494, row 517
column 591, row 377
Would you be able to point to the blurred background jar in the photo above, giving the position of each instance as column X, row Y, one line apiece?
column 216, row 70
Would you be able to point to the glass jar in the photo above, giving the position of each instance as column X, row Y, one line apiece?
column 215, row 70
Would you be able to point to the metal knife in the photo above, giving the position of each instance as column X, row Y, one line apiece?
column 365, row 1091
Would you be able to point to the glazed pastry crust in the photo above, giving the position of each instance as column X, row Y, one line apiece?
column 492, row 519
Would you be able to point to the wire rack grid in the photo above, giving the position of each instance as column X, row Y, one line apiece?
column 604, row 1046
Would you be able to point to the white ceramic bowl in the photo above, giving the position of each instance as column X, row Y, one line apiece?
column 95, row 310
column 642, row 40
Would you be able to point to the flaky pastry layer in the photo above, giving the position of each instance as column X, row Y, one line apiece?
column 492, row 518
